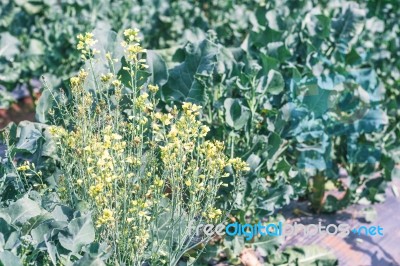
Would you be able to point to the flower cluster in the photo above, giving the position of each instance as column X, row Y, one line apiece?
column 86, row 45
column 111, row 159
column 133, row 49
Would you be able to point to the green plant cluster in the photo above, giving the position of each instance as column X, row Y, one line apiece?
column 303, row 99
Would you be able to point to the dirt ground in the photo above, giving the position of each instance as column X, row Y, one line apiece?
column 356, row 250
column 22, row 110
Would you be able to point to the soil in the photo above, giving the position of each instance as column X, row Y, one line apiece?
column 22, row 110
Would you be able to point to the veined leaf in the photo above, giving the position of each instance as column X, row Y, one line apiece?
column 184, row 80
column 80, row 232
column 8, row 258
column 348, row 26
column 23, row 209
column 236, row 115
column 158, row 68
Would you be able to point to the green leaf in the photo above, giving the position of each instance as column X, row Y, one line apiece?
column 30, row 6
column 34, row 222
column 95, row 255
column 279, row 51
column 275, row 149
column 184, row 84
column 157, row 67
column 275, row 83
column 333, row 204
column 39, row 233
column 267, row 244
column 276, row 199
column 36, row 47
column 7, row 259
column 23, row 209
column 236, row 115
column 28, row 137
column 45, row 103
column 80, row 232
column 373, row 120
column 6, row 230
column 86, row 260
column 8, row 46
column 233, row 246
column 141, row 75
column 306, row 256
column 319, row 100
column 253, row 161
column 348, row 26
column 268, row 63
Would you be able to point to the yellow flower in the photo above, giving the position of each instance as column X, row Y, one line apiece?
column 107, row 213
column 116, row 136
column 75, row 81
column 132, row 34
column 188, row 183
column 106, row 77
column 23, row 168
column 153, row 88
column 204, row 130
column 158, row 182
column 116, row 83
column 239, row 165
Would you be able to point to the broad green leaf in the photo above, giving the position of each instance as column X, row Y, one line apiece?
column 279, row 51
column 309, row 255
column 317, row 25
column 7, row 259
column 28, row 137
column 86, row 260
column 253, row 161
column 276, row 199
column 36, row 47
column 80, row 232
column 236, row 115
column 184, row 83
column 141, row 76
column 348, row 26
column 268, row 63
column 234, row 246
column 34, row 222
column 157, row 67
column 51, row 249
column 373, row 120
column 267, row 244
column 6, row 230
column 30, row 6
column 8, row 46
column 319, row 100
column 275, row 83
column 23, row 209
column 39, row 233
column 62, row 213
